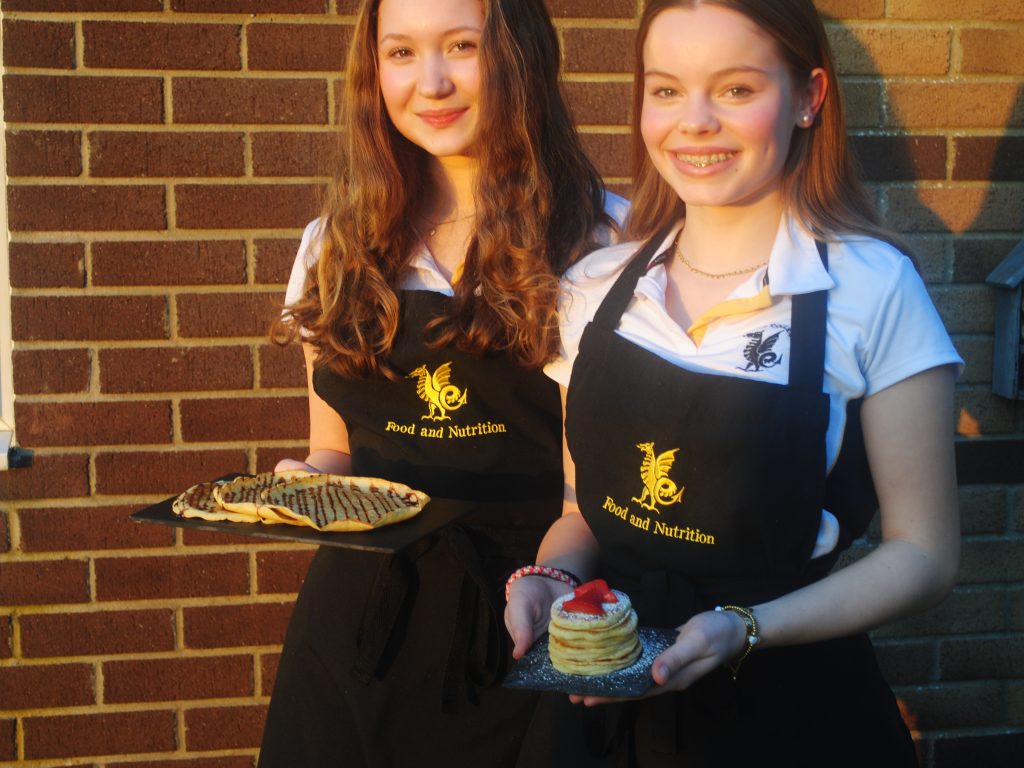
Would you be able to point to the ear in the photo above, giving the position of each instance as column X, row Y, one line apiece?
column 812, row 98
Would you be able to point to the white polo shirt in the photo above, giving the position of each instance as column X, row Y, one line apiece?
column 882, row 326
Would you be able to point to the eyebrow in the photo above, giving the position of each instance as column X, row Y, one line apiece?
column 447, row 33
column 720, row 73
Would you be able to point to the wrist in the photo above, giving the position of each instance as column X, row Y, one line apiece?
column 751, row 630
column 557, row 574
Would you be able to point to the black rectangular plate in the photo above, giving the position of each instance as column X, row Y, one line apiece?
column 391, row 538
column 535, row 673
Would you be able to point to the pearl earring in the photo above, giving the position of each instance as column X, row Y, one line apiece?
column 806, row 119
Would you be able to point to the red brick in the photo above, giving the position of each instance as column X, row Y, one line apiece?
column 928, row 10
column 988, row 158
column 86, row 207
column 992, row 51
column 198, row 762
column 298, row 47
column 610, row 152
column 196, row 537
column 8, row 739
column 81, row 318
column 224, row 727
column 47, row 265
column 100, row 734
column 249, row 100
column 88, row 529
column 45, row 685
column 178, row 262
column 102, row 633
column 151, row 45
column 6, row 647
column 980, row 412
column 954, row 105
column 956, row 209
column 249, row 6
column 901, row 158
column 109, row 6
column 39, row 44
column 44, row 582
column 851, row 9
column 148, row 578
column 882, row 50
column 281, row 366
column 294, row 154
column 132, row 154
column 282, row 571
column 960, row 706
column 175, row 369
column 274, row 259
column 267, row 458
column 120, row 423
column 255, row 418
column 51, row 476
column 207, row 315
column 269, row 663
column 234, row 626
column 600, row 103
column 5, row 546
column 44, row 153
column 588, row 9
column 78, row 99
column 863, row 104
column 964, row 308
column 599, row 50
column 163, row 472
column 204, row 677
column 245, row 206
column 49, row 371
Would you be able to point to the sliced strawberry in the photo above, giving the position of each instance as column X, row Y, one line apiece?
column 609, row 597
column 597, row 586
column 583, row 606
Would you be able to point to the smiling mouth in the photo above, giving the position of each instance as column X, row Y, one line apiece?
column 704, row 161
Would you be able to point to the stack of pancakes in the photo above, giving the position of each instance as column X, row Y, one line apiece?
column 589, row 643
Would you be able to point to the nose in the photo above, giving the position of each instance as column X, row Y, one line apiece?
column 435, row 80
column 697, row 115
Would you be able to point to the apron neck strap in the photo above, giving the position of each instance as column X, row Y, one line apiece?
column 621, row 293
column 807, row 339
column 807, row 347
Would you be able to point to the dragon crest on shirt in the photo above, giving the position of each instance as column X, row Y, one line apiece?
column 437, row 392
column 759, row 352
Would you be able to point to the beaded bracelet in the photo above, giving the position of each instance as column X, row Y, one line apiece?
column 753, row 636
column 541, row 570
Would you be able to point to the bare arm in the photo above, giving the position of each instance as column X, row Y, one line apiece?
column 908, row 431
column 328, row 435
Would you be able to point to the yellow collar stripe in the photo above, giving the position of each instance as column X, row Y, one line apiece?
column 700, row 326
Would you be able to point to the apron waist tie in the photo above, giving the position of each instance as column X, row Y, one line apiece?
column 478, row 620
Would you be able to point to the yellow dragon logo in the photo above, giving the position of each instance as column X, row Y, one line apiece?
column 659, row 489
column 435, row 390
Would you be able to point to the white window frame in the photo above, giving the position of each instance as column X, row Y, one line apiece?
column 6, row 342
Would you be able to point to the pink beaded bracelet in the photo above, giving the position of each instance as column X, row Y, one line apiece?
column 541, row 570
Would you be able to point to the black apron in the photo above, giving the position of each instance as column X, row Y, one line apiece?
column 405, row 654
column 705, row 489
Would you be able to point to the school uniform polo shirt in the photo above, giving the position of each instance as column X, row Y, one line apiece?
column 882, row 326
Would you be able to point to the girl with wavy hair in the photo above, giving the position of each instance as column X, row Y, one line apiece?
column 748, row 381
column 425, row 301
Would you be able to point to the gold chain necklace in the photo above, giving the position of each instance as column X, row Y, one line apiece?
column 433, row 226
column 714, row 275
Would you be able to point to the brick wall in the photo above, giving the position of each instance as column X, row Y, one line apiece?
column 163, row 156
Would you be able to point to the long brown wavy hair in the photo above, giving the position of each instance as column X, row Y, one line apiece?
column 821, row 179
column 539, row 201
